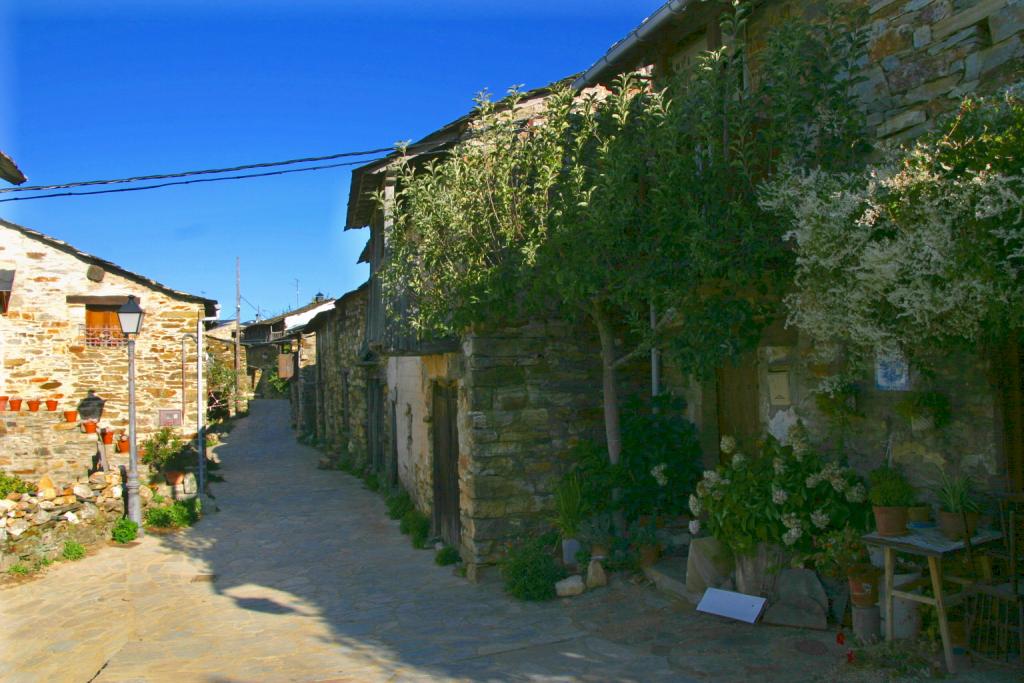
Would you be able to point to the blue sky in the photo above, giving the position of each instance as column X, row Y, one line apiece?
column 105, row 89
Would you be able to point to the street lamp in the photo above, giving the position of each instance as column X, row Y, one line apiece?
column 129, row 316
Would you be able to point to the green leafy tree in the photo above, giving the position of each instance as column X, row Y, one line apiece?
column 603, row 206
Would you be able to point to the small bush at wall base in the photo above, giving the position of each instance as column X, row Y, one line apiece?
column 417, row 526
column 530, row 572
column 181, row 513
column 19, row 569
column 13, row 484
column 398, row 504
column 446, row 556
column 371, row 482
column 73, row 550
column 124, row 531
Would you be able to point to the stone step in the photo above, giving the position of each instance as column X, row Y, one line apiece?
column 669, row 576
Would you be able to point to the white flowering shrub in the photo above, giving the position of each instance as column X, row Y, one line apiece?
column 921, row 252
column 785, row 495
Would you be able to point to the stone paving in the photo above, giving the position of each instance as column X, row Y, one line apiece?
column 312, row 582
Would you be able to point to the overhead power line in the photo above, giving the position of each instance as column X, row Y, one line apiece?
column 192, row 181
column 208, row 171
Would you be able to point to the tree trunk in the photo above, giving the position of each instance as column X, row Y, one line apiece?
column 610, row 394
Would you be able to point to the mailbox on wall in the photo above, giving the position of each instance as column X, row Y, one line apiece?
column 170, row 418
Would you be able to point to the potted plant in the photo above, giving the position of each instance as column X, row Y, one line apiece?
column 123, row 446
column 958, row 507
column 840, row 555
column 890, row 494
column 71, row 416
column 568, row 515
column 3, row 402
column 51, row 404
column 14, row 405
column 107, row 435
column 919, row 513
column 165, row 452
column 33, row 404
column 645, row 538
column 596, row 532
column 89, row 426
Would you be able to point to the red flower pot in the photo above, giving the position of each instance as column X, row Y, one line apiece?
column 3, row 403
column 123, row 446
column 108, row 436
column 14, row 405
column 863, row 585
column 174, row 477
column 89, row 426
column 51, row 404
column 33, row 404
column 71, row 416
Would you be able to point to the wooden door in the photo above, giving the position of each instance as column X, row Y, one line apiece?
column 446, row 463
column 738, row 414
column 375, row 423
column 1010, row 379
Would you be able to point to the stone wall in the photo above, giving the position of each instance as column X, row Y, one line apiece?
column 303, row 387
column 41, row 443
column 340, row 402
column 223, row 350
column 923, row 55
column 260, row 363
column 44, row 352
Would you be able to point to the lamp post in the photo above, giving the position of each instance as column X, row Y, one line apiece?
column 129, row 316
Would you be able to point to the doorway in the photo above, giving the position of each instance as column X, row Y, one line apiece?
column 446, row 463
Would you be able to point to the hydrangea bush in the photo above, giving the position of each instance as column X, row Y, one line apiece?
column 921, row 252
column 787, row 495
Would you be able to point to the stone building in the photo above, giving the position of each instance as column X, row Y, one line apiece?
column 220, row 347
column 922, row 58
column 478, row 428
column 60, row 340
column 337, row 414
column 9, row 170
column 269, row 343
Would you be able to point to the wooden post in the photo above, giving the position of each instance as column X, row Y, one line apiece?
column 935, row 568
column 890, row 571
column 238, row 329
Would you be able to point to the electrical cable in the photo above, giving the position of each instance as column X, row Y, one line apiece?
column 183, row 174
column 193, row 181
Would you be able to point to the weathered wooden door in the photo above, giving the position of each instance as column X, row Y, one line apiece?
column 375, row 423
column 1010, row 379
column 738, row 414
column 446, row 463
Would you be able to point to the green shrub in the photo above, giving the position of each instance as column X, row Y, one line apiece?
column 125, row 531
column 398, row 504
column 446, row 556
column 530, row 572
column 417, row 526
column 181, row 513
column 889, row 488
column 19, row 569
column 371, row 482
column 73, row 550
column 165, row 450
column 13, row 484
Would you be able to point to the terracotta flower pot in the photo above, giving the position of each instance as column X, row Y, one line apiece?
column 890, row 521
column 863, row 580
column 51, row 404
column 3, row 403
column 71, row 416
column 174, row 477
column 14, row 405
column 108, row 436
column 599, row 550
column 89, row 426
column 33, row 404
column 123, row 446
column 951, row 524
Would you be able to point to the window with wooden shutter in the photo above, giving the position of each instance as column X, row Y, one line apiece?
column 102, row 327
column 6, row 285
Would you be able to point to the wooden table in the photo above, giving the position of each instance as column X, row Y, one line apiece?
column 931, row 544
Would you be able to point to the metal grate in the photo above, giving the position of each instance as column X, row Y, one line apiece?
column 102, row 337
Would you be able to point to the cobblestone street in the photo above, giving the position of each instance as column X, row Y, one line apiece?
column 312, row 582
